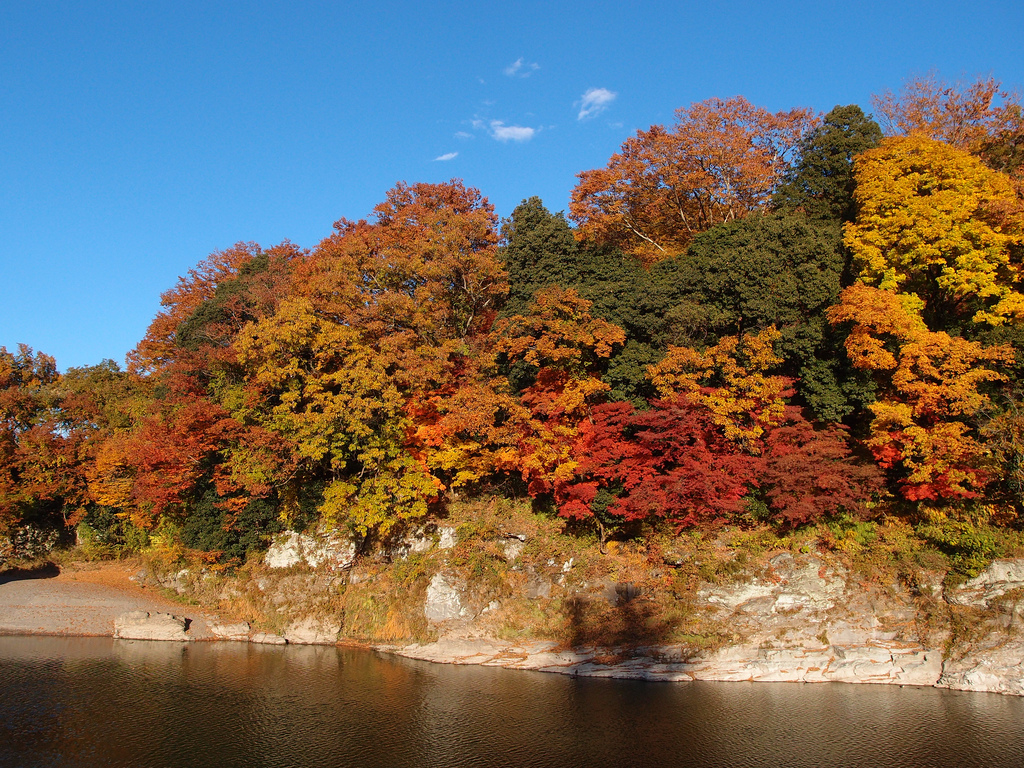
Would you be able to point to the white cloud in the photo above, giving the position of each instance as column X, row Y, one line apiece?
column 594, row 102
column 446, row 156
column 463, row 135
column 503, row 132
column 521, row 68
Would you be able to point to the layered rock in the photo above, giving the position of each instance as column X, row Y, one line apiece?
column 802, row 620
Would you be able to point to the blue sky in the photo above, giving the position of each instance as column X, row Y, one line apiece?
column 136, row 138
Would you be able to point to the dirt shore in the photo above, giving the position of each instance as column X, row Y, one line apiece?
column 83, row 599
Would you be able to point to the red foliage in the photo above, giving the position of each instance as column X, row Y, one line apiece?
column 674, row 462
column 671, row 462
column 806, row 473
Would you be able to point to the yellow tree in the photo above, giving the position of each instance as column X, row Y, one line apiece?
column 932, row 223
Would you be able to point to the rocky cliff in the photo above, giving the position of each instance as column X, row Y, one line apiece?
column 498, row 600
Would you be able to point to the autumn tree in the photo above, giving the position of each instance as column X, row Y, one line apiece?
column 732, row 380
column 926, row 227
column 980, row 117
column 720, row 161
column 42, row 473
column 674, row 462
column 932, row 389
column 565, row 348
column 159, row 346
column 359, row 368
column 966, row 115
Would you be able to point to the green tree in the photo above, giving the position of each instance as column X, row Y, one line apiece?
column 538, row 250
column 821, row 182
column 781, row 269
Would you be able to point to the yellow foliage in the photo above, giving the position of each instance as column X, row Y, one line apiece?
column 930, row 389
column 731, row 380
column 925, row 227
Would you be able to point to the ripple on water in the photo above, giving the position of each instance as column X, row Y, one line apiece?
column 100, row 702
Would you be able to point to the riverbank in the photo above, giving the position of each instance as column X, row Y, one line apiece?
column 804, row 622
column 84, row 599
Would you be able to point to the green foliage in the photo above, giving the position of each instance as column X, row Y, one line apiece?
column 848, row 533
column 104, row 533
column 821, row 182
column 538, row 251
column 970, row 547
column 782, row 269
column 211, row 528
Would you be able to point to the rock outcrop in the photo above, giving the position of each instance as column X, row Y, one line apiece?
column 143, row 625
column 802, row 620
column 797, row 617
column 312, row 630
column 329, row 550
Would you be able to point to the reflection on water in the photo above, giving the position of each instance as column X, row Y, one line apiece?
column 96, row 701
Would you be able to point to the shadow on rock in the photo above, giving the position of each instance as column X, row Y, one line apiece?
column 630, row 621
column 43, row 571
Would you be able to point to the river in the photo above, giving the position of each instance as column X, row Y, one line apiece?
column 103, row 702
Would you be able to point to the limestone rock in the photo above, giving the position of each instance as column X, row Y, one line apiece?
column 266, row 638
column 324, row 548
column 804, row 588
column 448, row 537
column 992, row 583
column 142, row 625
column 512, row 548
column 178, row 581
column 238, row 631
column 313, row 631
column 285, row 552
column 443, row 602
column 998, row 668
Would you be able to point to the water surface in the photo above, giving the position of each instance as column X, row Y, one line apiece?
column 103, row 702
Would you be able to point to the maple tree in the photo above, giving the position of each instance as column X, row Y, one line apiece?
column 731, row 380
column 672, row 461
column 675, row 462
column 565, row 347
column 159, row 345
column 721, row 160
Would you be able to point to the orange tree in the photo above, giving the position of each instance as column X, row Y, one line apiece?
column 720, row 161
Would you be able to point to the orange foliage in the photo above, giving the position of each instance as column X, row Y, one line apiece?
column 567, row 346
column 930, row 387
column 721, row 160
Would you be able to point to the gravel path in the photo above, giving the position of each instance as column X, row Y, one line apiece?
column 82, row 599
